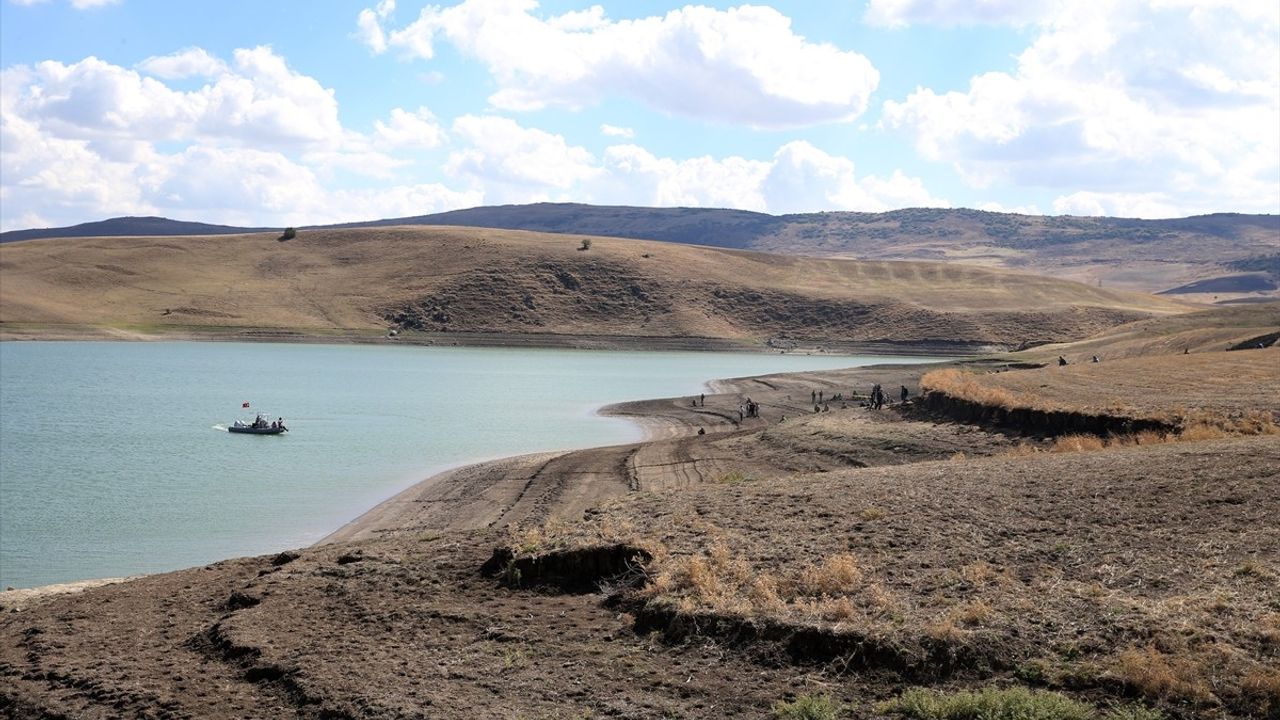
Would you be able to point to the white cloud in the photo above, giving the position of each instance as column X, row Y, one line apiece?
column 634, row 176
column 498, row 153
column 409, row 129
column 743, row 66
column 1164, row 107
column 615, row 131
column 369, row 25
column 258, row 101
column 516, row 164
column 260, row 144
column 805, row 179
column 191, row 62
column 993, row 206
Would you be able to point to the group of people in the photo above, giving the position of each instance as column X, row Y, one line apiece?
column 261, row 423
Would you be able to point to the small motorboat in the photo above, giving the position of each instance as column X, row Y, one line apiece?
column 259, row 426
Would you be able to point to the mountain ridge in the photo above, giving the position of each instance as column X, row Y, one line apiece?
column 1126, row 253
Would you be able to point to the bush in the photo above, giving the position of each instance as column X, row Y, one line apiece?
column 586, row 244
column 808, row 707
column 289, row 234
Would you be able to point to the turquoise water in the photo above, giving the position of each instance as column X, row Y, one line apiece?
column 114, row 458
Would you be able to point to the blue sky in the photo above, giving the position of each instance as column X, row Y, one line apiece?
column 294, row 113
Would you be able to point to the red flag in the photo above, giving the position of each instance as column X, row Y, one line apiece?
column 245, row 405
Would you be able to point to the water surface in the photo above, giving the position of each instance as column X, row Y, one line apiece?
column 114, row 458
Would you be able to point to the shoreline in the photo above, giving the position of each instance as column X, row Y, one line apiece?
column 664, row 422
column 658, row 419
column 52, row 332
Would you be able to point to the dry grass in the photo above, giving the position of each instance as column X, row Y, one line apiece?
column 447, row 278
column 835, row 589
column 1163, row 676
column 987, row 556
column 1207, row 396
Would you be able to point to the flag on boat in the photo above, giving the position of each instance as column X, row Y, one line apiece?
column 245, row 405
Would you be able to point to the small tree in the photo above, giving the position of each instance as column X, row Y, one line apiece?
column 586, row 244
column 289, row 234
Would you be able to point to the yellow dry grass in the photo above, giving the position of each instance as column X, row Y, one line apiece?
column 328, row 280
column 1206, row 395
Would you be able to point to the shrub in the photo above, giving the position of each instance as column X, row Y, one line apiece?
column 289, row 234
column 808, row 707
column 586, row 244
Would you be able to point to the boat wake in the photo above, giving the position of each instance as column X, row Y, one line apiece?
column 220, row 427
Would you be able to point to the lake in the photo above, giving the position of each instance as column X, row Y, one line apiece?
column 114, row 458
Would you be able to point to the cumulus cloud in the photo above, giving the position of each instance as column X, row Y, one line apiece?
column 369, row 25
column 191, row 62
column 743, row 65
column 1163, row 106
column 516, row 164
column 258, row 100
column 499, row 153
column 259, row 144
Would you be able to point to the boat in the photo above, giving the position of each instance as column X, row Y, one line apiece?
column 259, row 426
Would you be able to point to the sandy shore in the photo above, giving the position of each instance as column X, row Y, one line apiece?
column 529, row 489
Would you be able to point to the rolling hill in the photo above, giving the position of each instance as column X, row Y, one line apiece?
column 462, row 282
column 1221, row 257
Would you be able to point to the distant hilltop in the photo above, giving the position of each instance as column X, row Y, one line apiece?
column 1224, row 256
column 127, row 227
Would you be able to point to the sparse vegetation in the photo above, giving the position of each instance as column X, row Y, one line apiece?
column 809, row 707
column 987, row 704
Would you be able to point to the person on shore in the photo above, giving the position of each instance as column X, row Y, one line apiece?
column 1061, row 361
column 904, row 393
column 702, row 399
column 702, row 431
column 1095, row 359
column 813, row 396
column 740, row 417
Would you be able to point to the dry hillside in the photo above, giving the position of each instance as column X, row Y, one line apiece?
column 462, row 280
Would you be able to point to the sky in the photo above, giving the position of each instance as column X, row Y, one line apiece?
column 295, row 112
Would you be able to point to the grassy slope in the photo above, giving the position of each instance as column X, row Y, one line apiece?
column 1215, row 329
column 479, row 280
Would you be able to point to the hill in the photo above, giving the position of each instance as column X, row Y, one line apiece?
column 1216, row 257
column 126, row 226
column 460, row 282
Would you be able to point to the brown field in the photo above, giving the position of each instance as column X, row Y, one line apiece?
column 1206, row 330
column 1239, row 389
column 466, row 281
column 849, row 554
